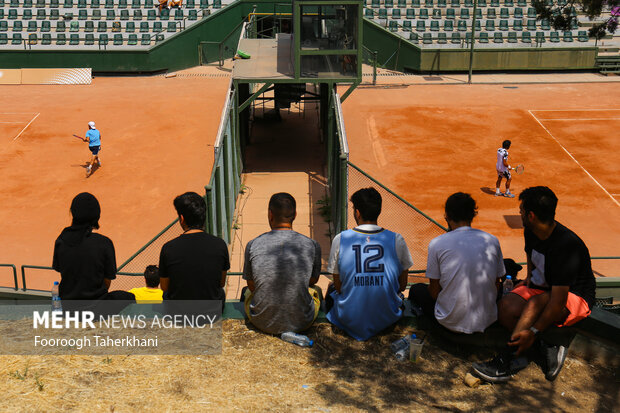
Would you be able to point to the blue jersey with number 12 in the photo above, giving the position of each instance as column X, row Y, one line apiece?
column 369, row 268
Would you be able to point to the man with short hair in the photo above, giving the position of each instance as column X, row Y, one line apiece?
column 193, row 266
column 281, row 268
column 559, row 289
column 369, row 265
column 464, row 267
column 151, row 293
column 503, row 170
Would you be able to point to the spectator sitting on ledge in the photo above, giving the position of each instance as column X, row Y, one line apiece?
column 151, row 293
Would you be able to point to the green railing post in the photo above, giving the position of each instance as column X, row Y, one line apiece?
column 14, row 274
column 343, row 192
column 209, row 201
column 227, row 186
column 374, row 67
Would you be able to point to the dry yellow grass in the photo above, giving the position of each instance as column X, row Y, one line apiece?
column 257, row 372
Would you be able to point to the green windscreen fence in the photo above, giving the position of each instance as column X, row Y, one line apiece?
column 398, row 215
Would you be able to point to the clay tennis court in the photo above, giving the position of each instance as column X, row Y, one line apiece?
column 156, row 137
column 427, row 142
column 424, row 142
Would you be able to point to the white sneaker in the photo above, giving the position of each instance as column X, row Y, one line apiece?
column 498, row 194
column 88, row 170
column 509, row 195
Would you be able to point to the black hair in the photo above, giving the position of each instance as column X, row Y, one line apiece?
column 151, row 276
column 193, row 208
column 461, row 207
column 368, row 202
column 506, row 144
column 283, row 207
column 85, row 210
column 541, row 201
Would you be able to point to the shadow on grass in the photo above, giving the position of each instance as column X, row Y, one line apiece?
column 367, row 376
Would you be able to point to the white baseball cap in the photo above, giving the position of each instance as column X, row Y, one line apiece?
column 91, row 124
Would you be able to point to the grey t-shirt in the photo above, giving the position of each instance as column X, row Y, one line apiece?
column 281, row 264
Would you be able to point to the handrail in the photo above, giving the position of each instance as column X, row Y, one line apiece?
column 226, row 38
column 145, row 246
column 36, row 267
column 397, row 196
column 14, row 274
column 224, row 118
column 342, row 133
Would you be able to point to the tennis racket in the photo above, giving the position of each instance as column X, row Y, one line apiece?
column 519, row 169
column 79, row 137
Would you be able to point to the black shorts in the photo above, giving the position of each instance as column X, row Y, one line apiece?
column 505, row 174
column 95, row 149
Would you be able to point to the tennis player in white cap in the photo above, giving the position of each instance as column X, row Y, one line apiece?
column 93, row 137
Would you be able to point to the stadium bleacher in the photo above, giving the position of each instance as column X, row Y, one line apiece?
column 43, row 24
column 499, row 23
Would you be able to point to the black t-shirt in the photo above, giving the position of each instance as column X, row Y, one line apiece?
column 565, row 260
column 194, row 263
column 83, row 259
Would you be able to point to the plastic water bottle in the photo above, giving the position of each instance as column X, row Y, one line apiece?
column 402, row 354
column 56, row 304
column 508, row 285
column 400, row 344
column 299, row 339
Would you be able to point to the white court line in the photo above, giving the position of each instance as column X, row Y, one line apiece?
column 573, row 158
column 10, row 122
column 25, row 127
column 569, row 110
column 584, row 119
column 377, row 148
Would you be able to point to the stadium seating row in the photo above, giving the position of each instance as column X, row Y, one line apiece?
column 62, row 39
column 454, row 3
column 451, row 14
column 138, row 14
column 498, row 37
column 463, row 25
column 108, row 4
column 88, row 26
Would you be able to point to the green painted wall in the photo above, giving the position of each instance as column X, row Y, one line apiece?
column 508, row 59
column 393, row 52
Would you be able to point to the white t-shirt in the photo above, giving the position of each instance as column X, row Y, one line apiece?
column 467, row 263
column 404, row 256
column 501, row 155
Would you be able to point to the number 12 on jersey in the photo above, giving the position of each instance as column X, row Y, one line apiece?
column 368, row 261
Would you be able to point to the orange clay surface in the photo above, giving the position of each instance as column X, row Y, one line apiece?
column 424, row 142
column 157, row 137
column 427, row 142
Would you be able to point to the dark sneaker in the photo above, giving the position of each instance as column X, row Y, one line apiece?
column 501, row 368
column 554, row 357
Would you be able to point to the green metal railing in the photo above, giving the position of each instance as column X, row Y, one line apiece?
column 338, row 156
column 225, row 182
column 36, row 267
column 397, row 196
column 14, row 274
column 609, row 282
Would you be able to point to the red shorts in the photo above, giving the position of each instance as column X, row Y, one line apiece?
column 577, row 307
